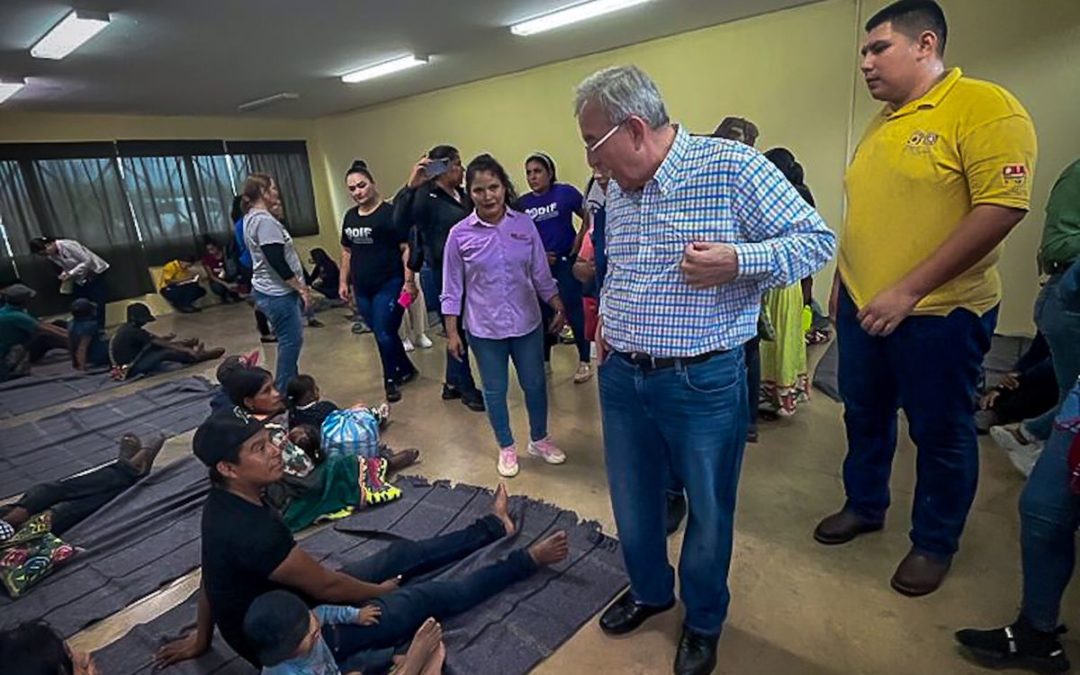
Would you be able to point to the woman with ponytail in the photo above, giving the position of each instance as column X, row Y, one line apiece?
column 374, row 252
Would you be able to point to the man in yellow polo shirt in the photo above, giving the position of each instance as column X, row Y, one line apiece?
column 938, row 180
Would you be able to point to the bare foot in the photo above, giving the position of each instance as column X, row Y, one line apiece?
column 402, row 459
column 129, row 447
column 204, row 354
column 425, row 644
column 550, row 550
column 434, row 665
column 501, row 508
column 143, row 461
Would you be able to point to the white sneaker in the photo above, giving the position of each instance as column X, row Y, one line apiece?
column 407, row 343
column 546, row 450
column 424, row 342
column 508, row 461
column 583, row 374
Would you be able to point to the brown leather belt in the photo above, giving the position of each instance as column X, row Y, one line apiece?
column 649, row 363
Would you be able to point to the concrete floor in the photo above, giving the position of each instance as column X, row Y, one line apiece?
column 797, row 607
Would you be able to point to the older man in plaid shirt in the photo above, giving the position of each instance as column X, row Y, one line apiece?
column 698, row 228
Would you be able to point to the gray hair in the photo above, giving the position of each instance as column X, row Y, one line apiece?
column 622, row 92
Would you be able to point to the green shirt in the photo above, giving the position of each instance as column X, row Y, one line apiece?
column 16, row 328
column 1061, row 234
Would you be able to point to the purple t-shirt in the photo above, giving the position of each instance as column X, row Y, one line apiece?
column 553, row 212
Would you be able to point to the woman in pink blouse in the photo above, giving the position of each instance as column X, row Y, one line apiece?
column 494, row 268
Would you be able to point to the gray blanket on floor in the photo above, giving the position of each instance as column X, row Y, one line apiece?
column 147, row 536
column 75, row 440
column 510, row 633
column 1004, row 351
column 56, row 382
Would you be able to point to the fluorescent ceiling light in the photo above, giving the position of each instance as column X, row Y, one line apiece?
column 269, row 100
column 569, row 15
column 9, row 89
column 385, row 68
column 68, row 35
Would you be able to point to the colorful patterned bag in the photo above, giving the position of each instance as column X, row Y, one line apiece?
column 30, row 555
column 353, row 431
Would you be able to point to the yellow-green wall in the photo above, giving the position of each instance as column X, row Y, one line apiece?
column 795, row 73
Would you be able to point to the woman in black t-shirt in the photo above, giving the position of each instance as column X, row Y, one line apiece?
column 373, row 256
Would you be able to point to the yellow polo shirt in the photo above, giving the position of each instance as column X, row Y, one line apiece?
column 917, row 172
column 174, row 273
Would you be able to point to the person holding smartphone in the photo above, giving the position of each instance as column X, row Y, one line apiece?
column 432, row 201
column 552, row 206
column 373, row 253
column 495, row 268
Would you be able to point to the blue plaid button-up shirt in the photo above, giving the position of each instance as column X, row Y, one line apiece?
column 706, row 190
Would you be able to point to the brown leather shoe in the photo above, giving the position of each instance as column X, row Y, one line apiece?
column 920, row 574
column 842, row 527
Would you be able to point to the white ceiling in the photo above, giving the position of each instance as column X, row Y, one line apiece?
column 205, row 57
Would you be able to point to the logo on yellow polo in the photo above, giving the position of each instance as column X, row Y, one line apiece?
column 922, row 138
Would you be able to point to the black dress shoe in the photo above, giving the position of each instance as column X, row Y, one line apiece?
column 676, row 511
column 473, row 400
column 626, row 614
column 696, row 654
column 449, row 393
column 842, row 527
column 393, row 394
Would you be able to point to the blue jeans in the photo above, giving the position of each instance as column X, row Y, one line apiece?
column 690, row 420
column 492, row 357
column 930, row 366
column 1049, row 517
column 382, row 313
column 286, row 316
column 458, row 373
column 96, row 290
column 570, row 293
column 404, row 610
column 431, row 293
column 1057, row 314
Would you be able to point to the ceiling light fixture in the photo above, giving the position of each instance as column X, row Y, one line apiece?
column 571, row 14
column 10, row 88
column 384, row 68
column 70, row 34
column 269, row 100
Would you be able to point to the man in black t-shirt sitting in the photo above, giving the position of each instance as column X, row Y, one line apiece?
column 140, row 351
column 247, row 550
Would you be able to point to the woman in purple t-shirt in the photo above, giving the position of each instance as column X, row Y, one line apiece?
column 552, row 206
column 494, row 267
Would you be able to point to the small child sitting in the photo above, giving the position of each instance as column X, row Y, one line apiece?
column 291, row 639
column 306, row 405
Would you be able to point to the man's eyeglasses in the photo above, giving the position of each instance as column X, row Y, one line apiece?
column 603, row 139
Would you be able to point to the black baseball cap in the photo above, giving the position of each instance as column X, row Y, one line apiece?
column 275, row 624
column 139, row 313
column 18, row 294
column 222, row 434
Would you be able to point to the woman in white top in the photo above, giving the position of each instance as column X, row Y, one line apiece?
column 80, row 267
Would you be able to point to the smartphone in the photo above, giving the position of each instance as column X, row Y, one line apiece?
column 436, row 167
column 405, row 299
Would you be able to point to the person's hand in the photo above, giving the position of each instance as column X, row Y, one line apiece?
column 552, row 258
column 834, row 298
column 557, row 322
column 412, row 289
column 344, row 292
column 390, row 585
column 305, row 297
column 1011, row 381
column 602, row 347
column 64, row 276
column 369, row 615
column 887, row 311
column 455, row 346
column 184, row 649
column 706, row 265
column 988, row 399
column 417, row 176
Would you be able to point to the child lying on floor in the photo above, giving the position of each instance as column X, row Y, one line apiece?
column 349, row 431
column 306, row 405
column 293, row 640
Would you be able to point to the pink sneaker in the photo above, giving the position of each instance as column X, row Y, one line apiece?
column 508, row 461
column 546, row 450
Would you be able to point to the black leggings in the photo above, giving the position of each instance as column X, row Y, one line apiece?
column 153, row 357
column 73, row 499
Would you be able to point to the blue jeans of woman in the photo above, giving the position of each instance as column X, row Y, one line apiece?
column 690, row 420
column 493, row 357
column 285, row 313
column 404, row 610
column 382, row 313
column 1049, row 516
column 570, row 293
column 1057, row 314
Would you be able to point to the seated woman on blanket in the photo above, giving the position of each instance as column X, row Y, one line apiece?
column 35, row 648
column 247, row 551
column 71, row 500
column 308, row 490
